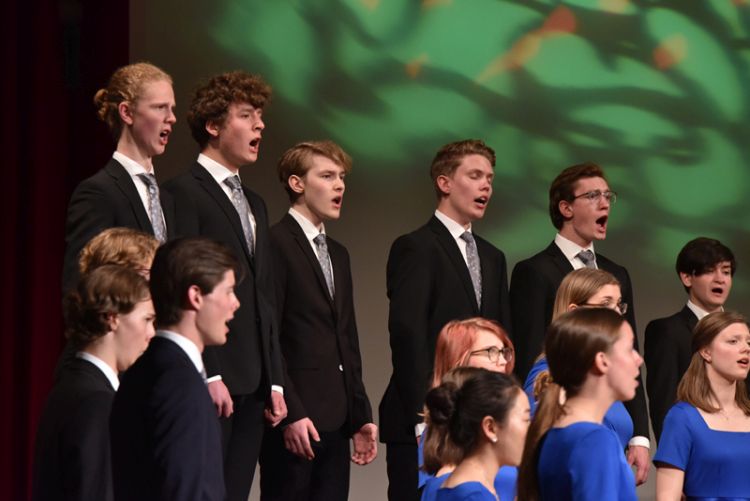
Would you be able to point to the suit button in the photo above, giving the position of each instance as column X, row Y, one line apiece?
column 341, row 368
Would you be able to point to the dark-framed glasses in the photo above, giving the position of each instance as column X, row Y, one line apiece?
column 620, row 307
column 595, row 196
column 493, row 353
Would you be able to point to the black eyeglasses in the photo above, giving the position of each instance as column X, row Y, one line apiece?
column 493, row 353
column 596, row 195
column 620, row 307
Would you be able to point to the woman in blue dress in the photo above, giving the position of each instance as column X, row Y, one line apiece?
column 569, row 453
column 475, row 342
column 485, row 419
column 584, row 288
column 704, row 450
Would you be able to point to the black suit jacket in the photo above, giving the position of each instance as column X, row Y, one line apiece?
column 72, row 453
column 318, row 334
column 166, row 442
column 251, row 358
column 667, row 350
column 429, row 285
column 534, row 284
column 107, row 199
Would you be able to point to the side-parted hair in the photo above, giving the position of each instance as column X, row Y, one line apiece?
column 694, row 387
column 455, row 341
column 211, row 101
column 701, row 255
column 122, row 246
column 125, row 84
column 297, row 160
column 564, row 185
column 182, row 263
column 459, row 410
column 99, row 295
column 450, row 156
column 572, row 343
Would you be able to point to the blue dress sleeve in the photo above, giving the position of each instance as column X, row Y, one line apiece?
column 676, row 440
column 423, row 476
column 596, row 470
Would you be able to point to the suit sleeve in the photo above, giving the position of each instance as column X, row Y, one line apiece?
column 531, row 311
column 360, row 406
column 663, row 370
column 636, row 407
column 86, row 464
column 409, row 282
column 89, row 213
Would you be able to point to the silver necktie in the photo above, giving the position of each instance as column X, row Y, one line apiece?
column 325, row 261
column 243, row 210
column 154, row 207
column 472, row 259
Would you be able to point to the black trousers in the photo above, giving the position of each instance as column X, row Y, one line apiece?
column 242, row 435
column 285, row 476
column 401, row 462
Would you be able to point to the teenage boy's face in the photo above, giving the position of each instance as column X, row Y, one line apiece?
column 216, row 310
column 468, row 190
column 323, row 194
column 586, row 219
column 152, row 117
column 710, row 290
column 239, row 136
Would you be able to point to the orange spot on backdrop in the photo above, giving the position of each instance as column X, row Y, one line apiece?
column 670, row 52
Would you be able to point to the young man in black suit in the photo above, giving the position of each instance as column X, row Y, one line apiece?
column 705, row 267
column 166, row 442
column 245, row 375
column 440, row 272
column 309, row 457
column 579, row 204
column 138, row 106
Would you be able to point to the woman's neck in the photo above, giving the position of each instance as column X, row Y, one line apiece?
column 590, row 404
column 479, row 466
column 724, row 390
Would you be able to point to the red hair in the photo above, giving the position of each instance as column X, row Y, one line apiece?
column 455, row 341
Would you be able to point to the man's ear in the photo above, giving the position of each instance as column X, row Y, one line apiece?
column 125, row 110
column 565, row 208
column 297, row 184
column 113, row 321
column 213, row 128
column 686, row 279
column 444, row 184
column 194, row 297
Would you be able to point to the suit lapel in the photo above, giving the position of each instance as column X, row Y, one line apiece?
column 125, row 184
column 689, row 318
column 222, row 200
column 306, row 249
column 558, row 259
column 450, row 246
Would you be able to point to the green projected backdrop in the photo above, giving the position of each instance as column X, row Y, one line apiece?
column 654, row 91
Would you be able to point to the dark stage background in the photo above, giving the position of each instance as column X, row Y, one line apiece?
column 655, row 91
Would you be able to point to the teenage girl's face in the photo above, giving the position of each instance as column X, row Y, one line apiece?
column 728, row 355
column 624, row 362
column 151, row 117
column 511, row 439
column 133, row 331
column 478, row 354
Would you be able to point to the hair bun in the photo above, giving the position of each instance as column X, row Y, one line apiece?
column 441, row 403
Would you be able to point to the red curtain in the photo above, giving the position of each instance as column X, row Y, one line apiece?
column 55, row 55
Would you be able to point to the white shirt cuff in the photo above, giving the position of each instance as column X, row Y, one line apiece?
column 640, row 441
column 275, row 387
column 419, row 429
column 213, row 378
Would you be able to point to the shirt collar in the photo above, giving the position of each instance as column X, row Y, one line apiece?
column 699, row 312
column 103, row 366
column 455, row 229
column 189, row 347
column 217, row 171
column 569, row 248
column 130, row 165
column 310, row 230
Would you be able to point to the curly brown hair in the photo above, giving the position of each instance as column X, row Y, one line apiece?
column 122, row 246
column 125, row 84
column 211, row 100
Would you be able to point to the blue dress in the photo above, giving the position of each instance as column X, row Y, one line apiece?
column 468, row 491
column 715, row 463
column 617, row 417
column 583, row 461
column 505, row 484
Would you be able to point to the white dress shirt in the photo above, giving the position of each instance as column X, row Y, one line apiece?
column 571, row 249
column 134, row 168
column 456, row 230
column 103, row 366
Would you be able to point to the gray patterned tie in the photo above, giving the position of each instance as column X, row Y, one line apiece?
column 325, row 261
column 154, row 207
column 243, row 210
column 472, row 259
column 588, row 258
